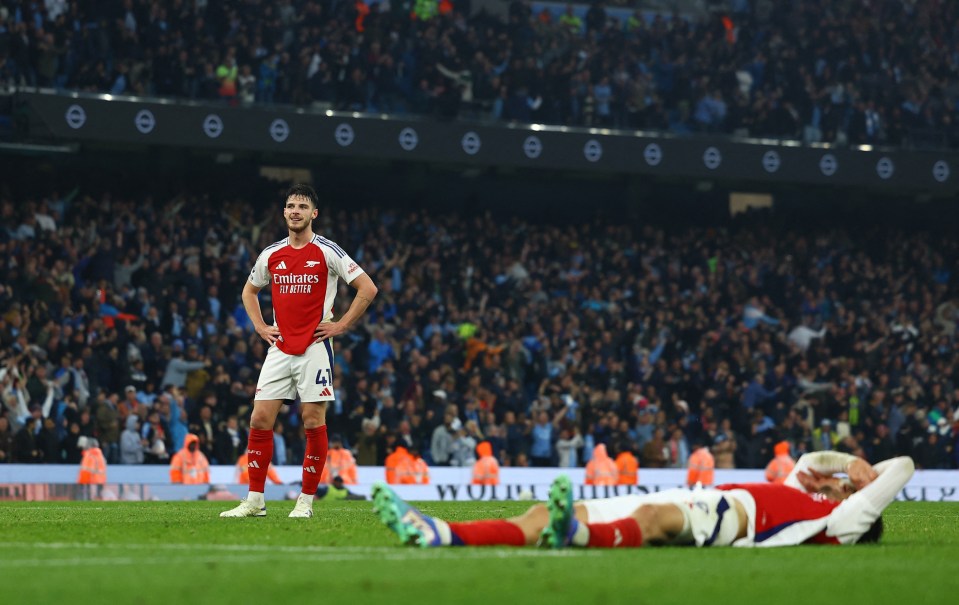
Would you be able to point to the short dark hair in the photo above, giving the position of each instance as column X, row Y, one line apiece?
column 302, row 189
column 873, row 534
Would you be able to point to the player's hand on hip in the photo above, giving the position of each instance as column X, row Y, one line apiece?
column 328, row 330
column 269, row 333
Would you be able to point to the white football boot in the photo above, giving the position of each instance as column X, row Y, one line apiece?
column 304, row 506
column 246, row 508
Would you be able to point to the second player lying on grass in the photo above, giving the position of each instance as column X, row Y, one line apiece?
column 812, row 506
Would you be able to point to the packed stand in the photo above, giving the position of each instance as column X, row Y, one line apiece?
column 853, row 72
column 120, row 319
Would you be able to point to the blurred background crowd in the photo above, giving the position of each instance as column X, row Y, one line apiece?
column 835, row 71
column 120, row 319
column 119, row 310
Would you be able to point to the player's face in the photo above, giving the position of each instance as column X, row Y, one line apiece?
column 299, row 213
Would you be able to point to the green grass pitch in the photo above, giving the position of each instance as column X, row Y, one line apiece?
column 168, row 553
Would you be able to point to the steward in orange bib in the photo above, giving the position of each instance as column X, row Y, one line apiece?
column 701, row 466
column 414, row 470
column 628, row 467
column 779, row 467
column 396, row 463
column 189, row 466
column 486, row 468
column 601, row 470
column 93, row 466
column 339, row 463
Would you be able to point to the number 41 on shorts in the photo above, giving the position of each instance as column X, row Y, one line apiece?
column 324, row 377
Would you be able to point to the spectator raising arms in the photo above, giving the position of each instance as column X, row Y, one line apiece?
column 577, row 335
column 761, row 73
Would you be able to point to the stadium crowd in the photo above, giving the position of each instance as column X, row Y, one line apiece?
column 120, row 319
column 850, row 71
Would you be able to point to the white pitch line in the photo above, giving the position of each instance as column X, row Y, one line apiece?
column 77, row 562
column 96, row 561
column 212, row 547
column 360, row 551
column 184, row 546
column 52, row 508
column 339, row 551
column 331, row 557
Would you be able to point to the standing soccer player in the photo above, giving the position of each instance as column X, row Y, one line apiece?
column 303, row 269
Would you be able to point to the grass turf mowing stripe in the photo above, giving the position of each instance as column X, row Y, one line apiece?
column 158, row 553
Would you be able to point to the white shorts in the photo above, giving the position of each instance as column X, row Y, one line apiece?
column 710, row 515
column 607, row 510
column 309, row 375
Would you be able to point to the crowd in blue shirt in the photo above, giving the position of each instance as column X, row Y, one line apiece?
column 871, row 73
column 544, row 338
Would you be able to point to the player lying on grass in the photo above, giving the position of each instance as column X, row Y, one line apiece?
column 811, row 506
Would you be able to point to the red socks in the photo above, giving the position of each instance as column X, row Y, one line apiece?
column 315, row 458
column 497, row 532
column 618, row 534
column 259, row 451
column 487, row 533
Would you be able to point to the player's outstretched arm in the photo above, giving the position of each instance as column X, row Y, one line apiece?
column 365, row 293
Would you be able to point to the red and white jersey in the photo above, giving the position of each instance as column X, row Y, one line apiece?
column 780, row 515
column 304, row 286
column 786, row 516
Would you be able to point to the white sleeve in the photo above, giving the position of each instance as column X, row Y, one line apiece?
column 827, row 463
column 22, row 410
column 880, row 467
column 260, row 275
column 851, row 519
column 340, row 262
column 48, row 401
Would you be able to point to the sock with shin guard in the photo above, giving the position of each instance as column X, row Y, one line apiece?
column 623, row 533
column 315, row 458
column 259, row 452
column 490, row 532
